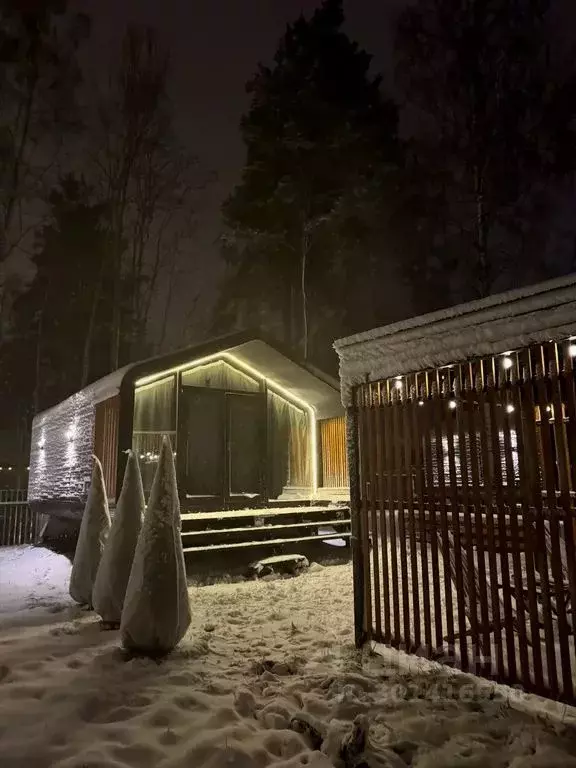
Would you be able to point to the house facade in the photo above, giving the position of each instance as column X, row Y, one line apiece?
column 247, row 422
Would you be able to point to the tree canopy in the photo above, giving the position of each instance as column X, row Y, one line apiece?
column 317, row 131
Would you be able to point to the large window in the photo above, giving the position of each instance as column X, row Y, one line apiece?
column 154, row 416
column 289, row 442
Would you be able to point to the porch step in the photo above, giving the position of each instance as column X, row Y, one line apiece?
column 262, row 533
column 264, row 528
column 269, row 543
column 202, row 521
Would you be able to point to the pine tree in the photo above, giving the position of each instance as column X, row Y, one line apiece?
column 317, row 130
column 156, row 611
column 94, row 530
column 114, row 571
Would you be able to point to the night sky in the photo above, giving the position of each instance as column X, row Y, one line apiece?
column 215, row 46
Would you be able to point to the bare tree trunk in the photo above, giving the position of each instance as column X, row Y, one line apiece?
column 38, row 364
column 483, row 273
column 117, row 287
column 18, row 162
column 167, row 305
column 304, row 249
column 290, row 322
column 89, row 338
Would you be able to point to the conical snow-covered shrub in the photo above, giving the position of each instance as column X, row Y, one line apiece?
column 116, row 564
column 156, row 611
column 94, row 530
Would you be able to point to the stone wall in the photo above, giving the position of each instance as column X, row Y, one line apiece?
column 61, row 450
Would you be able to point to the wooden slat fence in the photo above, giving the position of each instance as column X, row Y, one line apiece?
column 106, row 440
column 333, row 453
column 18, row 523
column 466, row 516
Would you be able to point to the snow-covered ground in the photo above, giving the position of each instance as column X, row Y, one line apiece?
column 256, row 655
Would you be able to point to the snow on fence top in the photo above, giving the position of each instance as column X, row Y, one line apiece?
column 500, row 323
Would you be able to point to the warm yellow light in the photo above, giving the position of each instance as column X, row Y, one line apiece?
column 510, row 408
column 161, row 380
column 280, row 391
column 452, row 405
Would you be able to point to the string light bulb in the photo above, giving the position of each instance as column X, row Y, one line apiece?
column 452, row 404
column 510, row 408
column 507, row 363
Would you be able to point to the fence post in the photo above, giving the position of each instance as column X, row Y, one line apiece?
column 356, row 540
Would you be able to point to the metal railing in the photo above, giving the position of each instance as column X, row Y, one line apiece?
column 18, row 523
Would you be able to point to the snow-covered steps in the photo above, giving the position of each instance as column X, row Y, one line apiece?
column 268, row 542
column 274, row 531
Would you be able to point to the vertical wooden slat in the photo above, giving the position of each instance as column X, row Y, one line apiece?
column 407, row 409
column 333, row 453
column 381, row 439
column 455, row 529
column 364, row 524
column 391, row 518
column 470, row 475
column 440, row 408
column 400, row 509
column 531, row 505
column 547, row 524
column 490, row 544
column 557, row 440
column 568, row 499
column 536, row 393
column 372, row 502
column 359, row 554
column 418, row 430
column 432, row 527
column 510, row 422
column 495, row 408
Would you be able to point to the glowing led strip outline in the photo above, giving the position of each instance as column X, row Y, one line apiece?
column 254, row 373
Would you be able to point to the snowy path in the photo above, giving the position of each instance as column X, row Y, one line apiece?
column 256, row 654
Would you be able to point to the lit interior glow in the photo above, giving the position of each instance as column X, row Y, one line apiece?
column 572, row 350
column 452, row 404
column 398, row 384
column 507, row 363
column 277, row 389
column 420, row 402
column 510, row 408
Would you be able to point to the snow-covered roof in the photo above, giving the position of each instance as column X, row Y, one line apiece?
column 301, row 379
column 499, row 323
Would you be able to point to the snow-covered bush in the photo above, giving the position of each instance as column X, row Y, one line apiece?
column 94, row 530
column 156, row 611
column 114, row 571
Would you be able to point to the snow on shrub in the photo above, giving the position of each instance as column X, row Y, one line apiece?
column 94, row 530
column 114, row 571
column 156, row 610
